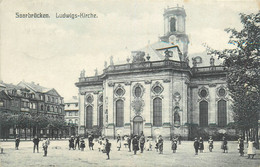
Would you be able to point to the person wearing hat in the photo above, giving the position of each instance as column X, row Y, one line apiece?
column 82, row 144
column 36, row 144
column 174, row 144
column 77, row 142
column 71, row 142
column 160, row 144
column 224, row 146
column 90, row 142
column 17, row 142
column 196, row 145
column 135, row 144
column 142, row 142
column 210, row 141
column 108, row 148
column 118, row 141
column 241, row 146
column 201, row 145
column 45, row 144
column 129, row 142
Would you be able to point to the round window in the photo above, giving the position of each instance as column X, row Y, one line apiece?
column 221, row 92
column 203, row 93
column 119, row 92
column 157, row 89
column 89, row 99
column 138, row 91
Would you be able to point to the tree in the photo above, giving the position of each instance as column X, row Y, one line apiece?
column 243, row 68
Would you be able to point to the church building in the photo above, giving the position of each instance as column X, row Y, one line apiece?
column 158, row 91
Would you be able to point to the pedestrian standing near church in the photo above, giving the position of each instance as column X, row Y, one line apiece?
column 196, row 146
column 201, row 145
column 17, row 142
column 36, row 144
column 241, row 146
column 210, row 141
column 90, row 142
column 179, row 139
column 45, row 144
column 160, row 144
column 108, row 148
column 251, row 150
column 118, row 141
column 129, row 142
column 142, row 142
column 71, row 143
column 224, row 146
column 77, row 142
column 135, row 144
column 156, row 143
column 100, row 143
column 82, row 144
column 174, row 144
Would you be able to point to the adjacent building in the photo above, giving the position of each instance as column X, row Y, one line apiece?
column 72, row 115
column 160, row 90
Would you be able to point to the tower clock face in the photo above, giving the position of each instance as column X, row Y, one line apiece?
column 173, row 39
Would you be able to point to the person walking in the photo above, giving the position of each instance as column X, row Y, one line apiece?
column 77, row 142
column 71, row 143
column 224, row 146
column 201, row 145
column 156, row 143
column 90, row 142
column 241, row 146
column 196, row 146
column 82, row 144
column 108, row 148
column 17, row 142
column 174, row 144
column 118, row 141
column 210, row 141
column 135, row 144
column 160, row 144
column 45, row 144
column 36, row 144
column 251, row 150
column 142, row 142
column 129, row 142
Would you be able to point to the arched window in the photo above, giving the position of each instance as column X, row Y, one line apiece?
column 157, row 112
column 101, row 116
column 42, row 108
column 173, row 25
column 48, row 108
column 76, row 121
column 89, row 117
column 119, row 113
column 203, row 113
column 222, row 113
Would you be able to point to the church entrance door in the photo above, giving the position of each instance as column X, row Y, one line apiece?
column 138, row 125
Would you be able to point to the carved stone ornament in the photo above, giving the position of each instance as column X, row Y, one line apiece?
column 89, row 98
column 147, row 81
column 119, row 91
column 138, row 105
column 111, row 84
column 177, row 97
column 128, row 83
column 96, row 92
column 138, row 94
column 157, row 88
column 166, row 80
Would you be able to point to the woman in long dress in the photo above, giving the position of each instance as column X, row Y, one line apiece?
column 251, row 151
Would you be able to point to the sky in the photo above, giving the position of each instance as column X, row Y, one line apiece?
column 53, row 51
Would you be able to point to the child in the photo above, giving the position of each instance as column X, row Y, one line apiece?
column 17, row 142
column 201, row 145
column 210, row 143
column 118, row 142
column 99, row 143
column 82, row 144
column 224, row 145
column 174, row 145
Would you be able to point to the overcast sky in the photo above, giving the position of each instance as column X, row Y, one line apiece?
column 53, row 51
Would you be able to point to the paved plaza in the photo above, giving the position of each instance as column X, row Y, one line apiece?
column 59, row 155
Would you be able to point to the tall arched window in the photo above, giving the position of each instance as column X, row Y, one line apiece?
column 157, row 112
column 222, row 113
column 101, row 116
column 173, row 25
column 89, row 117
column 119, row 113
column 203, row 113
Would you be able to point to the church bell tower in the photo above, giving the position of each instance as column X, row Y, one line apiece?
column 174, row 29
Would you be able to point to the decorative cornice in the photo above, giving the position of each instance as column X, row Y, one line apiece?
column 147, row 81
column 166, row 80
column 95, row 92
column 111, row 84
column 212, row 85
column 127, row 83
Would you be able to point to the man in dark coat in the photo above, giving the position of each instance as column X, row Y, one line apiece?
column 90, row 142
column 135, row 144
column 36, row 144
column 224, row 145
column 174, row 145
column 196, row 146
column 108, row 148
column 71, row 143
column 160, row 144
column 142, row 141
column 77, row 142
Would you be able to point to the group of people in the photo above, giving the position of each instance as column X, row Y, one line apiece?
column 140, row 143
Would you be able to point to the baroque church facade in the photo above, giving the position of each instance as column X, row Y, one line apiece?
column 157, row 91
